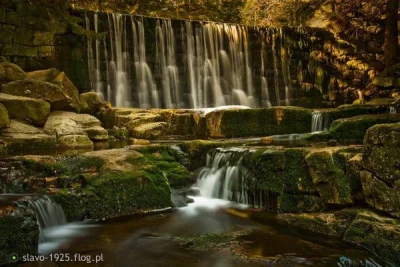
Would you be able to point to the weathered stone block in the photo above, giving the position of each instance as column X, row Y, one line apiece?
column 27, row 51
column 9, row 50
column 12, row 18
column 7, row 34
column 45, row 51
column 2, row 15
column 43, row 38
column 23, row 36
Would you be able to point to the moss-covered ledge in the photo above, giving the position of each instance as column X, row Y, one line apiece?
column 258, row 122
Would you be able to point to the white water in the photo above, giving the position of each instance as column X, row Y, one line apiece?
column 203, row 65
column 392, row 110
column 53, row 226
column 223, row 180
column 319, row 122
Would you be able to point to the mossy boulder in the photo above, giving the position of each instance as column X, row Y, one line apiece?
column 23, row 137
column 116, row 182
column 59, row 97
column 149, row 131
column 348, row 111
column 376, row 233
column 26, row 108
column 4, row 120
column 382, row 153
column 10, row 72
column 379, row 195
column 74, row 141
column 354, row 128
column 91, row 102
column 19, row 232
column 60, row 79
column 328, row 177
column 64, row 123
column 258, row 122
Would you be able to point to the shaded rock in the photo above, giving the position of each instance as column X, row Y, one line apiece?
column 57, row 96
column 353, row 170
column 328, row 178
column 10, row 72
column 90, row 102
column 380, row 235
column 4, row 120
column 74, row 141
column 119, row 133
column 382, row 152
column 149, row 130
column 288, row 203
column 26, row 108
column 23, row 137
column 379, row 195
column 258, row 122
column 376, row 233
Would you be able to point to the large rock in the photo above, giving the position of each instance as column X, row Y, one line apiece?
column 363, row 228
column 382, row 153
column 379, row 195
column 26, row 108
column 90, row 102
column 328, row 178
column 23, row 137
column 376, row 233
column 64, row 123
column 58, row 95
column 150, row 130
column 119, row 182
column 10, row 72
column 4, row 120
column 74, row 141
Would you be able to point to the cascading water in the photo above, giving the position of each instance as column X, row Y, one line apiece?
column 392, row 110
column 159, row 63
column 225, row 178
column 49, row 214
column 319, row 122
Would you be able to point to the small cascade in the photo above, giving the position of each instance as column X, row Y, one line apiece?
column 49, row 214
column 225, row 178
column 319, row 122
column 392, row 110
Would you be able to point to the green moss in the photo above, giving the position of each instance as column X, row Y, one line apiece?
column 4, row 120
column 19, row 233
column 176, row 174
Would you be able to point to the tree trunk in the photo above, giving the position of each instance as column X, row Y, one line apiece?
column 391, row 47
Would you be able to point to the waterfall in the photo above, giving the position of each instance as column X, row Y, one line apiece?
column 392, row 110
column 162, row 63
column 319, row 122
column 49, row 214
column 224, row 177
